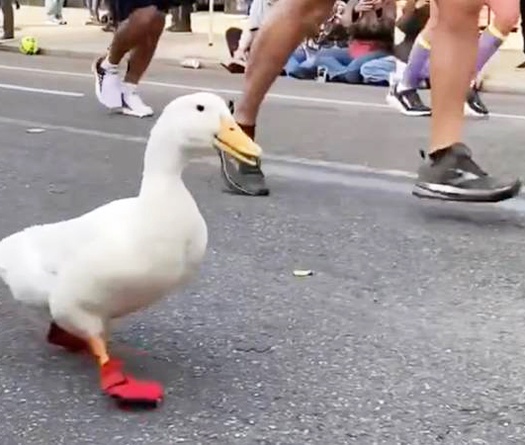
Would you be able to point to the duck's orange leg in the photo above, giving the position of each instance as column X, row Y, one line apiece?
column 115, row 383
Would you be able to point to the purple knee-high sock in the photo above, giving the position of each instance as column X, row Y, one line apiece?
column 489, row 43
column 418, row 58
column 425, row 72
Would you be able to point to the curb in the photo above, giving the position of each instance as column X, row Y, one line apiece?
column 12, row 47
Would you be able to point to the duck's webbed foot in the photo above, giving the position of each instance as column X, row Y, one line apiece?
column 59, row 337
column 122, row 387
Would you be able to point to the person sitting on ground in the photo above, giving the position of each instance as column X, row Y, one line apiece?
column 370, row 25
column 378, row 72
column 332, row 33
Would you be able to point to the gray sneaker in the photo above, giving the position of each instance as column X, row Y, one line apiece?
column 454, row 176
column 242, row 179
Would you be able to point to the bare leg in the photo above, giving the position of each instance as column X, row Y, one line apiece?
column 450, row 172
column 285, row 27
column 132, row 32
column 288, row 23
column 139, row 61
column 142, row 54
column 452, row 64
column 138, row 33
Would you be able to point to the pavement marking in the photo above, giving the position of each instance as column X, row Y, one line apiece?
column 291, row 167
column 72, row 130
column 186, row 87
column 7, row 86
column 291, row 97
column 313, row 163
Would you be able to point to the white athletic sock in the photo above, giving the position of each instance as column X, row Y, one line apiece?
column 106, row 65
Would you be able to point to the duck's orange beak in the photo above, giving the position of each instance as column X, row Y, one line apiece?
column 232, row 140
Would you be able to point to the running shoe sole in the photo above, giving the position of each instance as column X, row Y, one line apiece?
column 450, row 193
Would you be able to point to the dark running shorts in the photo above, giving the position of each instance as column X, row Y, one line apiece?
column 123, row 8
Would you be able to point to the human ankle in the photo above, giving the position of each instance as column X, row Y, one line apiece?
column 439, row 151
column 248, row 129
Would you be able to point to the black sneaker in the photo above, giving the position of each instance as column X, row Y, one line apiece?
column 241, row 178
column 407, row 102
column 454, row 176
column 474, row 106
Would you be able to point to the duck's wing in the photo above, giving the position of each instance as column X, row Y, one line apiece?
column 30, row 260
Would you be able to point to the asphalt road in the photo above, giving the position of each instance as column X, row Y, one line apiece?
column 410, row 331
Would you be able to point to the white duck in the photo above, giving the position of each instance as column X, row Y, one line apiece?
column 129, row 253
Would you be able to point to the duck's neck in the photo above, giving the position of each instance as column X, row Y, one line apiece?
column 163, row 164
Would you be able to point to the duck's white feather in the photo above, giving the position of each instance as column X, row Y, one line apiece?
column 30, row 260
column 128, row 253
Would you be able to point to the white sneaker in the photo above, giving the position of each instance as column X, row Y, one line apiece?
column 132, row 105
column 108, row 86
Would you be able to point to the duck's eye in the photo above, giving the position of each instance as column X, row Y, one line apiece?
column 200, row 107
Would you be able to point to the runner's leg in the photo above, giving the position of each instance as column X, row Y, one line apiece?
column 138, row 20
column 139, row 61
column 506, row 17
column 286, row 25
column 450, row 172
column 404, row 96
